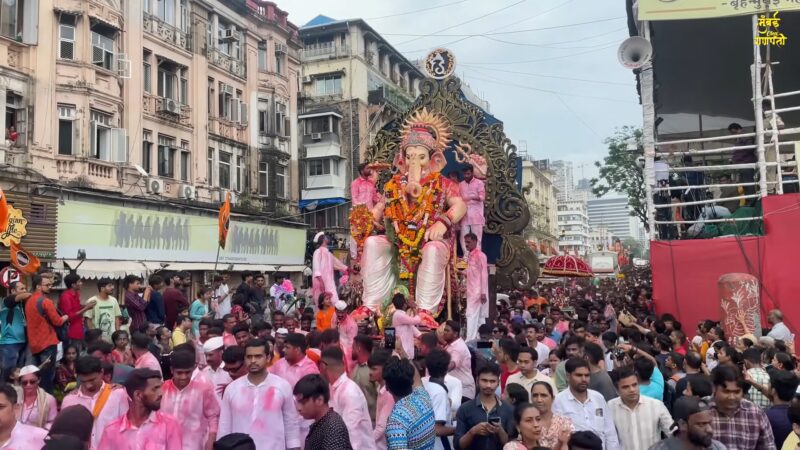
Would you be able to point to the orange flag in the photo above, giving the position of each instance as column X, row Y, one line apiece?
column 3, row 211
column 23, row 260
column 224, row 220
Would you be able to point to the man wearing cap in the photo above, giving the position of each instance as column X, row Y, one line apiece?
column 212, row 349
column 346, row 325
column 323, row 264
column 693, row 427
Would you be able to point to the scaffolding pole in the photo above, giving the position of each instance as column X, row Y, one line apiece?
column 755, row 74
column 649, row 136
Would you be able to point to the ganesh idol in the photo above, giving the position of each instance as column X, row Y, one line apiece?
column 419, row 211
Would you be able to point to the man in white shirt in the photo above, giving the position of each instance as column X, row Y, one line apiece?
column 260, row 404
column 222, row 295
column 779, row 329
column 528, row 373
column 532, row 334
column 437, row 363
column 640, row 419
column 586, row 408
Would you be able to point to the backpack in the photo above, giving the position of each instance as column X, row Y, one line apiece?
column 61, row 330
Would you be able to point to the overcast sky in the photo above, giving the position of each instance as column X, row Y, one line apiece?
column 559, row 90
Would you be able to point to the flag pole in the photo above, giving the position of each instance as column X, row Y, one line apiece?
column 217, row 259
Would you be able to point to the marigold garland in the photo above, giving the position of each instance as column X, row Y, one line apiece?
column 411, row 219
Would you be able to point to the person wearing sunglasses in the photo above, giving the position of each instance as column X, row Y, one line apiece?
column 39, row 408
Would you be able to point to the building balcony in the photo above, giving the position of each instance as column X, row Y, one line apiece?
column 391, row 97
column 227, row 129
column 167, row 109
column 273, row 142
column 167, row 33
column 227, row 63
column 94, row 172
column 328, row 51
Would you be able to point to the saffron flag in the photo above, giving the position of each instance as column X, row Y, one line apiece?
column 224, row 220
column 23, row 260
column 3, row 211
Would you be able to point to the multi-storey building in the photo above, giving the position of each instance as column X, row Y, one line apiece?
column 600, row 238
column 614, row 214
column 128, row 110
column 563, row 180
column 537, row 184
column 573, row 226
column 352, row 83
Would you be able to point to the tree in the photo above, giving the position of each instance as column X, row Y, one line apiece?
column 620, row 173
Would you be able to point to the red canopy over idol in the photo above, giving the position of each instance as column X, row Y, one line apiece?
column 567, row 266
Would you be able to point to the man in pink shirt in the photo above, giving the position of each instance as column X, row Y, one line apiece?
column 192, row 401
column 260, row 404
column 104, row 401
column 15, row 435
column 347, row 399
column 473, row 193
column 460, row 358
column 477, row 286
column 323, row 264
column 143, row 358
column 347, row 327
column 294, row 364
column 143, row 426
column 363, row 194
column 405, row 326
column 385, row 402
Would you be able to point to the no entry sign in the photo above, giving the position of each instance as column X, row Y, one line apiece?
column 7, row 275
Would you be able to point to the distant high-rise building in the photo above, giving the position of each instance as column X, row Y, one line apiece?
column 563, row 179
column 573, row 226
column 614, row 214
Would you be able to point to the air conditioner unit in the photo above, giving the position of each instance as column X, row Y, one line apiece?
column 171, row 106
column 281, row 48
column 187, row 191
column 316, row 136
column 307, row 79
column 228, row 34
column 155, row 186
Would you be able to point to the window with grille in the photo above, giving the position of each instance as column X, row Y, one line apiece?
column 280, row 119
column 262, row 178
column 66, row 130
column 11, row 13
column 66, row 37
column 103, row 48
column 166, row 156
column 147, row 75
column 38, row 213
column 329, row 85
column 147, row 150
column 262, row 56
column 318, row 167
column 210, row 176
column 280, row 181
column 225, row 170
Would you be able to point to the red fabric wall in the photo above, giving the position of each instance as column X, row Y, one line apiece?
column 685, row 273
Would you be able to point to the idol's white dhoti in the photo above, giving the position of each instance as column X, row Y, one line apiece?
column 379, row 278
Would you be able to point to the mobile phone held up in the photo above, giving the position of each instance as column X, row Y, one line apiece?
column 389, row 338
column 494, row 420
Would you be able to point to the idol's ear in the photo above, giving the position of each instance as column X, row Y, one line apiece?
column 438, row 162
column 400, row 163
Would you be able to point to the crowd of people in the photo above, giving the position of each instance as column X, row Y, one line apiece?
column 575, row 366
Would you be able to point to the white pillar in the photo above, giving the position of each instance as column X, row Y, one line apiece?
column 648, row 130
column 759, row 110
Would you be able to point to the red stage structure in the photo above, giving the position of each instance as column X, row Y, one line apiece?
column 686, row 273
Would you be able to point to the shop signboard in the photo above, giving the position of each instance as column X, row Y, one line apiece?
column 704, row 9
column 111, row 232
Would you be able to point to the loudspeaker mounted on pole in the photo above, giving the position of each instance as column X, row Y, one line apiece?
column 634, row 52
